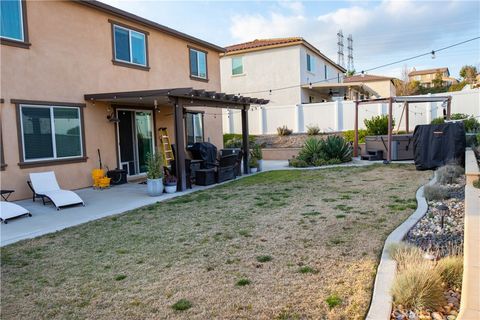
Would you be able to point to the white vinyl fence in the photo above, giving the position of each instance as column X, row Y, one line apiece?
column 339, row 115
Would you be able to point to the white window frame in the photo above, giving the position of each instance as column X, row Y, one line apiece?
column 21, row 24
column 198, row 64
column 130, row 31
column 243, row 67
column 52, row 129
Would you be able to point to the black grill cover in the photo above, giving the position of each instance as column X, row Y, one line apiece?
column 438, row 145
column 204, row 151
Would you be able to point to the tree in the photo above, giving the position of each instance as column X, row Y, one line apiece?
column 350, row 73
column 404, row 86
column 438, row 80
column 468, row 73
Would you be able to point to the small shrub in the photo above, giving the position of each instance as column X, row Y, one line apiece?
column 435, row 192
column 243, row 282
column 323, row 162
column 256, row 152
column 333, row 301
column 284, row 131
column 471, row 123
column 233, row 143
column 476, row 184
column 120, row 277
column 181, row 305
column 297, row 163
column 265, row 258
column 237, row 136
column 418, row 287
column 313, row 130
column 451, row 270
column 449, row 174
column 336, row 147
column 155, row 165
column 378, row 125
column 349, row 135
column 406, row 255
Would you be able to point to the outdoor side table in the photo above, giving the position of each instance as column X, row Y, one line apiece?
column 6, row 193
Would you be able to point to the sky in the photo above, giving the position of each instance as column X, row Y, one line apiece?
column 383, row 31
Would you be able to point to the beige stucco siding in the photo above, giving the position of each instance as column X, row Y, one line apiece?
column 71, row 55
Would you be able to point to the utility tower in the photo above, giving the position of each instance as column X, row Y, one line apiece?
column 350, row 66
column 340, row 59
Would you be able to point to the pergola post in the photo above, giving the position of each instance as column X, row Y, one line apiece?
column 449, row 107
column 246, row 147
column 407, row 117
column 180, row 143
column 355, row 141
column 389, row 140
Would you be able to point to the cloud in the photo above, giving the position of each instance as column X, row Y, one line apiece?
column 389, row 28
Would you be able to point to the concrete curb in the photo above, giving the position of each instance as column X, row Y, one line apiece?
column 381, row 304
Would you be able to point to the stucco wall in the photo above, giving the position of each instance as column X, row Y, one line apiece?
column 71, row 55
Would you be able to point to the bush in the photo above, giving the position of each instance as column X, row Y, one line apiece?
column 233, row 143
column 313, row 130
column 349, row 135
column 406, row 255
column 418, row 286
column 181, row 305
column 236, row 137
column 297, row 163
column 451, row 270
column 311, row 151
column 471, row 123
column 155, row 165
column 256, row 152
column 449, row 174
column 336, row 147
column 284, row 131
column 378, row 125
column 435, row 192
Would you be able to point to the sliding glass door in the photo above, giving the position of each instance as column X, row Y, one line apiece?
column 135, row 135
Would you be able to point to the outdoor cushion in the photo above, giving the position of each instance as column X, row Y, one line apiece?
column 45, row 183
column 11, row 210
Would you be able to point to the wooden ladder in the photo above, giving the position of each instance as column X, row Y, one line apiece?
column 166, row 146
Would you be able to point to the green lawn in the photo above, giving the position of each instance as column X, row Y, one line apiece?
column 277, row 245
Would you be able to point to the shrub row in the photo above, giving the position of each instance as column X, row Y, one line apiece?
column 319, row 152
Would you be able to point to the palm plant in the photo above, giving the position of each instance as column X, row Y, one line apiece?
column 336, row 147
column 311, row 151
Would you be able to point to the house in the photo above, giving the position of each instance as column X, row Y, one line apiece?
column 80, row 78
column 283, row 69
column 426, row 77
column 382, row 87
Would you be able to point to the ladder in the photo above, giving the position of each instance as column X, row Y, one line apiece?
column 166, row 147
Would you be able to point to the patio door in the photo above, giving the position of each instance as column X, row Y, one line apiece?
column 135, row 139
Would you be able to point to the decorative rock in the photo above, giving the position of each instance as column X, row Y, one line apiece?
column 451, row 317
column 454, row 313
column 447, row 308
column 437, row 316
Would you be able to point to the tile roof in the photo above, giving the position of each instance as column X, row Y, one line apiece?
column 365, row 78
column 428, row 71
column 258, row 43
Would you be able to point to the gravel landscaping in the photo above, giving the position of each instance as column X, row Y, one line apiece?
column 277, row 245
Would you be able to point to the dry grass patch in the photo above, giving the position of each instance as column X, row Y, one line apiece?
column 198, row 246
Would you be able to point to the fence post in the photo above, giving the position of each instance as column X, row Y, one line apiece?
column 299, row 119
column 231, row 121
column 261, row 120
column 336, row 117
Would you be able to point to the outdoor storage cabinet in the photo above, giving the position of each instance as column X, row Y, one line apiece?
column 402, row 146
column 205, row 177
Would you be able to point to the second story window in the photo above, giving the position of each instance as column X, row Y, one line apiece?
column 129, row 46
column 237, row 65
column 326, row 72
column 12, row 20
column 198, row 64
column 310, row 63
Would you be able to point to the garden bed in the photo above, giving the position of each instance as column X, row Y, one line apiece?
column 277, row 245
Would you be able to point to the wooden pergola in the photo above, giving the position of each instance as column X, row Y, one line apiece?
column 406, row 100
column 180, row 98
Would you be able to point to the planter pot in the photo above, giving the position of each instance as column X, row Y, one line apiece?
column 260, row 165
column 155, row 187
column 171, row 188
column 253, row 170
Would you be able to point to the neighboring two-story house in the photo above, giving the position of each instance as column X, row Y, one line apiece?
column 78, row 77
column 426, row 77
column 380, row 86
column 292, row 64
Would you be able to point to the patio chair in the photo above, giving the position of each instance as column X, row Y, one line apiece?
column 10, row 210
column 45, row 185
column 226, row 168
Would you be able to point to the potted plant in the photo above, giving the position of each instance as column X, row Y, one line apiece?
column 253, row 164
column 170, row 184
column 257, row 154
column 155, row 174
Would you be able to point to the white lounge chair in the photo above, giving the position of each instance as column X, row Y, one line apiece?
column 44, row 184
column 10, row 210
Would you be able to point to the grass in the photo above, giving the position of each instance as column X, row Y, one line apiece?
column 307, row 269
column 182, row 305
column 264, row 258
column 333, row 301
column 243, row 282
column 196, row 247
column 451, row 270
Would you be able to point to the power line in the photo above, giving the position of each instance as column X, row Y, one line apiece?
column 433, row 52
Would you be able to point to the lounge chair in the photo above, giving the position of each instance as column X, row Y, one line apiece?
column 10, row 210
column 45, row 185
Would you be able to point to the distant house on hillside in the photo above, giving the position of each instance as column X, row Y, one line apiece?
column 381, row 86
column 426, row 77
column 304, row 73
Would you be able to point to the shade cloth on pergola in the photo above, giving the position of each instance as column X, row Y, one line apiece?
column 402, row 99
column 181, row 98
